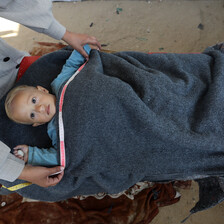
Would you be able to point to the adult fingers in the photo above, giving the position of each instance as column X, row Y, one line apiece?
column 55, row 170
column 82, row 52
column 55, row 179
column 93, row 41
column 89, row 40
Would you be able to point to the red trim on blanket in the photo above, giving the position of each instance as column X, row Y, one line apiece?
column 60, row 119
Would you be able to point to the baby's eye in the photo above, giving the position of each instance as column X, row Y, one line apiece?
column 34, row 100
column 32, row 115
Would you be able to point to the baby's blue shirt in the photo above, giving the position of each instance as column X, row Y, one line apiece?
column 48, row 157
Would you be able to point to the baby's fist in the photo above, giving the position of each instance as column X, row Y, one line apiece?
column 21, row 152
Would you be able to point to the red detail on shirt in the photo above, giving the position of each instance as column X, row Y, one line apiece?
column 25, row 64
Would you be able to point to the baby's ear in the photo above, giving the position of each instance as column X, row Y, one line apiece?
column 40, row 88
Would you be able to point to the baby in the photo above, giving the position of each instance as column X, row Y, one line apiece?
column 36, row 106
column 33, row 106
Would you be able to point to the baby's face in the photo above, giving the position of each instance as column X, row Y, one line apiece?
column 34, row 106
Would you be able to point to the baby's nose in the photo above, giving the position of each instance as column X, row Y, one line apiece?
column 40, row 108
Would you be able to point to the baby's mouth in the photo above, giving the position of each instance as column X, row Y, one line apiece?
column 48, row 109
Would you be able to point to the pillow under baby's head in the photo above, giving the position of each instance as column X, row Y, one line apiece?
column 42, row 72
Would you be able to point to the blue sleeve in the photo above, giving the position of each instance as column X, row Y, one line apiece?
column 42, row 157
column 71, row 66
column 52, row 132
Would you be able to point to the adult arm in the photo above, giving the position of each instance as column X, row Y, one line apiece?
column 41, row 175
column 37, row 15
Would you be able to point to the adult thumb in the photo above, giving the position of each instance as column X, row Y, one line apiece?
column 55, row 170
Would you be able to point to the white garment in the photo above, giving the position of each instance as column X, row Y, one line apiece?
column 10, row 166
column 10, row 58
column 35, row 14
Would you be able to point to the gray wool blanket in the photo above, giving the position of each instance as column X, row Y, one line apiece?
column 131, row 116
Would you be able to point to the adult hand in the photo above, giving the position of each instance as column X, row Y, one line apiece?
column 41, row 175
column 77, row 41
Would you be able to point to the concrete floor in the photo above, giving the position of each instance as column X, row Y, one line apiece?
column 156, row 26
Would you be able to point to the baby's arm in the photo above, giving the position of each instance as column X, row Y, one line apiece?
column 39, row 175
column 75, row 60
column 71, row 66
column 36, row 156
column 43, row 157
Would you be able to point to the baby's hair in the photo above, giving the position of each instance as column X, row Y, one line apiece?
column 10, row 96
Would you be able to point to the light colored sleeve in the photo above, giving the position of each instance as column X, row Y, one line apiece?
column 42, row 157
column 45, row 157
column 10, row 166
column 35, row 14
column 70, row 67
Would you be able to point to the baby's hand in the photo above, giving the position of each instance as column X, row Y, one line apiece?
column 21, row 152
